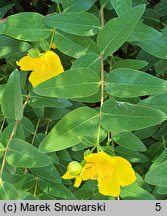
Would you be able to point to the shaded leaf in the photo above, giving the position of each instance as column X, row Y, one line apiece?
column 12, row 102
column 23, row 154
column 11, row 46
column 135, row 192
column 129, row 140
column 8, row 191
column 121, row 7
column 77, row 5
column 80, row 122
column 156, row 46
column 158, row 101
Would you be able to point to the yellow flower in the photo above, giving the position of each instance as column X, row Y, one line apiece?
column 111, row 172
column 43, row 67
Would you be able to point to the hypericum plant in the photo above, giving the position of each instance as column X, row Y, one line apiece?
column 92, row 103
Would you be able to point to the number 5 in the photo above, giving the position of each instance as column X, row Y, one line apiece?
column 158, row 206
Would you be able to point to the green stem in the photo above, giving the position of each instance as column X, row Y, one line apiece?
column 2, row 125
column 58, row 7
column 36, row 186
column 102, row 85
column 52, row 37
column 163, row 141
column 35, row 133
column 47, row 128
column 7, row 147
column 10, row 138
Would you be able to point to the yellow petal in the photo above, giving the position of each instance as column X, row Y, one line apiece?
column 53, row 62
column 112, row 172
column 108, row 185
column 89, row 172
column 78, row 181
column 100, row 157
column 44, row 67
column 67, row 176
column 125, row 172
column 28, row 63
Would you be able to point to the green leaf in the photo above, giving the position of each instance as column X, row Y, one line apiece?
column 161, row 8
column 12, row 103
column 158, row 101
column 37, row 101
column 162, row 157
column 143, row 32
column 11, row 46
column 122, row 116
column 130, row 63
column 143, row 55
column 4, row 9
column 75, row 46
column 8, row 191
column 57, row 1
column 129, row 140
column 155, row 150
column 77, row 23
column 151, row 17
column 55, row 113
column 91, row 61
column 121, row 7
column 2, row 27
column 27, row 26
column 135, row 192
column 117, row 30
column 161, row 67
column 80, row 122
column 24, row 181
column 23, row 154
column 146, row 132
column 157, row 176
column 28, row 127
column 77, row 5
column 161, row 190
column 2, row 150
column 2, row 87
column 156, row 46
column 130, row 155
column 27, row 196
column 130, row 83
column 56, row 190
column 49, row 173
column 19, row 133
column 75, row 83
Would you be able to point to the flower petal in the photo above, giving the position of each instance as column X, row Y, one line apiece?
column 44, row 67
column 28, row 63
column 89, row 172
column 125, row 172
column 109, row 185
column 53, row 63
column 78, row 181
column 67, row 176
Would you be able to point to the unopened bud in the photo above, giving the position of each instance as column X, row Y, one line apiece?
column 74, row 168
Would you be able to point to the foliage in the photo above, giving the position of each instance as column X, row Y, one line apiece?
column 111, row 96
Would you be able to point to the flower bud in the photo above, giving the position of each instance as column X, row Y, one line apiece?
column 74, row 168
column 34, row 52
